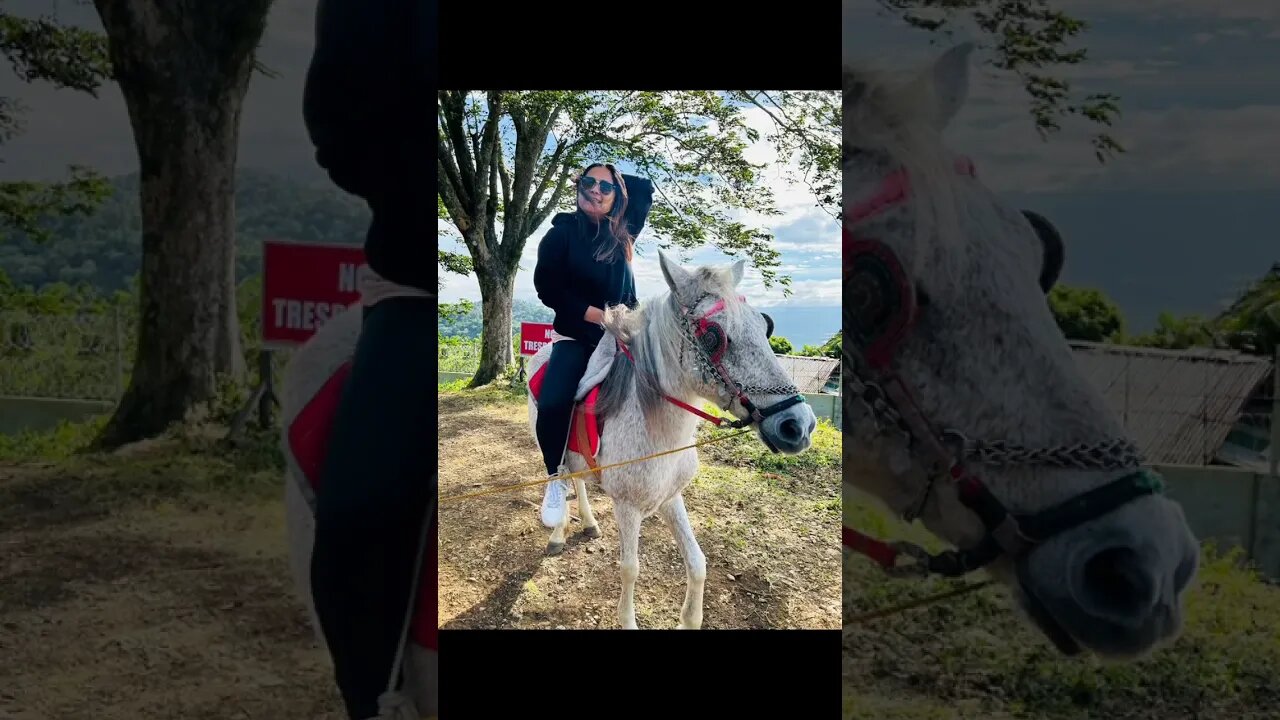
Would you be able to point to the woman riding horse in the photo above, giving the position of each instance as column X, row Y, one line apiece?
column 584, row 265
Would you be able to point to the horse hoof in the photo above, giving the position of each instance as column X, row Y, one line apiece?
column 555, row 548
column 592, row 532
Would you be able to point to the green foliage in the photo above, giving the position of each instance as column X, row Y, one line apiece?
column 1252, row 323
column 454, row 263
column 67, row 57
column 452, row 313
column 1026, row 37
column 1174, row 333
column 830, row 348
column 747, row 451
column 780, row 345
column 1085, row 314
column 63, row 441
column 104, row 250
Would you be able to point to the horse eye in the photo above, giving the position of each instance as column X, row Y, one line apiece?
column 768, row 322
column 922, row 298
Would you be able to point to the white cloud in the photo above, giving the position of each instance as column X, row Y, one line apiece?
column 820, row 283
column 1181, row 147
column 1171, row 143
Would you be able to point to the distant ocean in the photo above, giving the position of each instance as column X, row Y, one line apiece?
column 804, row 325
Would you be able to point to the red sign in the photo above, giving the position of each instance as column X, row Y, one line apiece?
column 533, row 336
column 304, row 285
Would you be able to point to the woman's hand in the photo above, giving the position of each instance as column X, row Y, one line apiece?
column 594, row 315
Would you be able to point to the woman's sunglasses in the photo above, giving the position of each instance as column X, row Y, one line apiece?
column 588, row 182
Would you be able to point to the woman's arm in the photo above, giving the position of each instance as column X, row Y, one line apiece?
column 639, row 201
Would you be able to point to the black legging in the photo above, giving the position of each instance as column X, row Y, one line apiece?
column 377, row 487
column 555, row 398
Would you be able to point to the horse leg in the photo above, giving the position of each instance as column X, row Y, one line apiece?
column 589, row 526
column 695, row 563
column 629, row 544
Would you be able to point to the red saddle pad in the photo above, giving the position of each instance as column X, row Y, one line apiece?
column 583, row 412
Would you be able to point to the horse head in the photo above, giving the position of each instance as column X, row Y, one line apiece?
column 702, row 340
column 964, row 405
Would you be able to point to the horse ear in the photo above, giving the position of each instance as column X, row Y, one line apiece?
column 949, row 78
column 677, row 277
column 739, row 269
column 1054, row 250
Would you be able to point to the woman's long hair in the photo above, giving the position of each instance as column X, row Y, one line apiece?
column 622, row 237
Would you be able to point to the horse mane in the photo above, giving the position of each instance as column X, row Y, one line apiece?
column 633, row 328
column 651, row 333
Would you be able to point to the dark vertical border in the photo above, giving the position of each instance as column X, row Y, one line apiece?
column 653, row 674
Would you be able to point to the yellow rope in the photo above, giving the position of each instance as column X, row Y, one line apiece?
column 885, row 612
column 517, row 486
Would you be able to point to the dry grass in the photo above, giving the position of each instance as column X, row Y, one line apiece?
column 763, row 521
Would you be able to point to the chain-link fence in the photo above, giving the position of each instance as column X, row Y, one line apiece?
column 84, row 356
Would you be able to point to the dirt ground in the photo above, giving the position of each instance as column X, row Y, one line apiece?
column 128, row 592
column 772, row 561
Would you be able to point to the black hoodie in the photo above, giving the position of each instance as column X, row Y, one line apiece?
column 569, row 278
column 365, row 109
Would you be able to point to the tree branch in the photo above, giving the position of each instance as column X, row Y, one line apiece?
column 453, row 109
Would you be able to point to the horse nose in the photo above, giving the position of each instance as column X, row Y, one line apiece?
column 1118, row 584
column 790, row 431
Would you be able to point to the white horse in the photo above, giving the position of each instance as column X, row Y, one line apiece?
column 310, row 367
column 699, row 341
column 944, row 293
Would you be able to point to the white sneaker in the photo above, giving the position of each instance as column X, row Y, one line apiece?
column 554, row 503
column 396, row 706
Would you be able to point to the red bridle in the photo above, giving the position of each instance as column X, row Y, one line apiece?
column 701, row 326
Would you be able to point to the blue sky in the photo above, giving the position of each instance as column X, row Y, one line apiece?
column 806, row 237
column 1188, row 216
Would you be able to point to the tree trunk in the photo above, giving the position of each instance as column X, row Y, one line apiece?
column 183, row 70
column 496, row 293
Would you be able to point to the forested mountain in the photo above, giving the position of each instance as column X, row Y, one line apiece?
column 468, row 325
column 104, row 249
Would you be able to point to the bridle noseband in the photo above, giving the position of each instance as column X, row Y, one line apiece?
column 881, row 310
